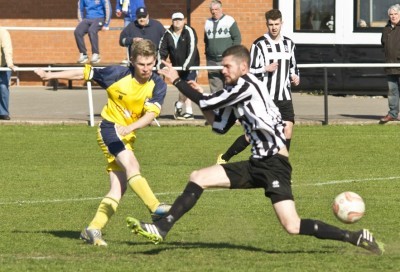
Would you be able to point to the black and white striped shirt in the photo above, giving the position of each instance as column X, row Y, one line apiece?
column 265, row 51
column 249, row 102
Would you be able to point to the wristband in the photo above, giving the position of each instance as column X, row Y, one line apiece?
column 176, row 81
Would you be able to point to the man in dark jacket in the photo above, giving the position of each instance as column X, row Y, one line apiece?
column 390, row 39
column 180, row 44
column 142, row 28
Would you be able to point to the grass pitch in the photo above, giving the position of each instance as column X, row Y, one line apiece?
column 53, row 177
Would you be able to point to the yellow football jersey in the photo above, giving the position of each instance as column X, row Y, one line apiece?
column 128, row 100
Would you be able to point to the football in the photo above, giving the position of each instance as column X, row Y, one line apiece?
column 348, row 207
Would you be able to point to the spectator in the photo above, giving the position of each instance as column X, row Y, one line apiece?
column 128, row 8
column 220, row 32
column 180, row 44
column 142, row 28
column 6, row 57
column 93, row 16
column 390, row 41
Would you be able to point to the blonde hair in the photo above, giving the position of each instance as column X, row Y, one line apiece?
column 145, row 48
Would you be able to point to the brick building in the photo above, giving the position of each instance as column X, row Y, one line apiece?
column 44, row 47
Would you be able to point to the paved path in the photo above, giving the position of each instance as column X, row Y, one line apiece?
column 43, row 105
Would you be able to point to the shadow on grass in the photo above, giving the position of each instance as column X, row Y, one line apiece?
column 355, row 116
column 70, row 234
column 229, row 246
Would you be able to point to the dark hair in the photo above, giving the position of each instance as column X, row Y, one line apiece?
column 144, row 48
column 239, row 52
column 273, row 14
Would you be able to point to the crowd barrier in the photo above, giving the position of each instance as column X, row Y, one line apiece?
column 323, row 66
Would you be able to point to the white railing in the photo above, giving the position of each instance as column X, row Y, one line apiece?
column 324, row 66
column 46, row 28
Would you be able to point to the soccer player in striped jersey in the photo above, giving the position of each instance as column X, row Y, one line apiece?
column 273, row 62
column 246, row 100
column 135, row 95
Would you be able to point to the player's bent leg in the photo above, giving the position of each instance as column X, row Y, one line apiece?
column 210, row 177
column 118, row 184
column 287, row 215
column 142, row 189
column 288, row 130
column 182, row 205
column 127, row 160
column 92, row 234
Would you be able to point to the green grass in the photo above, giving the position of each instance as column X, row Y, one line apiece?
column 53, row 177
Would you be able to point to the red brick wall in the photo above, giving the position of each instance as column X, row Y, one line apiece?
column 48, row 47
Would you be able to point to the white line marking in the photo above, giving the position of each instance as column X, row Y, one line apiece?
column 332, row 182
column 347, row 181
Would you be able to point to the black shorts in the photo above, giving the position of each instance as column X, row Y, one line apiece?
column 286, row 109
column 272, row 173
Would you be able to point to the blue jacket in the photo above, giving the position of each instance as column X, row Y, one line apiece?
column 93, row 9
column 133, row 6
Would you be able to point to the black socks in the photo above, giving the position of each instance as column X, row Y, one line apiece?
column 182, row 205
column 322, row 230
column 238, row 146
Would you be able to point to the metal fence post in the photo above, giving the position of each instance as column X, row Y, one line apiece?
column 325, row 96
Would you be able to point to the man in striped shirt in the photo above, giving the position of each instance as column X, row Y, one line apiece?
column 246, row 100
column 273, row 62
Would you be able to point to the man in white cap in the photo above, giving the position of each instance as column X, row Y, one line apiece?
column 180, row 43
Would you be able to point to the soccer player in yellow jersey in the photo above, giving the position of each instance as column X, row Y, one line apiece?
column 135, row 95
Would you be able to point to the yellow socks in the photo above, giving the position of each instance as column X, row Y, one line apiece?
column 107, row 208
column 140, row 186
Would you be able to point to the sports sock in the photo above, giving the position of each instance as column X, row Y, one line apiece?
column 142, row 189
column 322, row 230
column 182, row 205
column 179, row 105
column 238, row 146
column 108, row 206
column 288, row 144
column 189, row 110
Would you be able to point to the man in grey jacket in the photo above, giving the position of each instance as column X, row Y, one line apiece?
column 390, row 38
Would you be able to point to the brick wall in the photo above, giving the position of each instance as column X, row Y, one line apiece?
column 48, row 47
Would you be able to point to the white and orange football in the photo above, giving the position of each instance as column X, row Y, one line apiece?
column 348, row 207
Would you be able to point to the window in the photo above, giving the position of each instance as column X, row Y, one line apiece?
column 314, row 16
column 371, row 15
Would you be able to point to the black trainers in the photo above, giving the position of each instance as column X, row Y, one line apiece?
column 186, row 116
column 178, row 112
column 366, row 240
column 148, row 231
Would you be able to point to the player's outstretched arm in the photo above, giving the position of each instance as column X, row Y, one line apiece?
column 68, row 74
